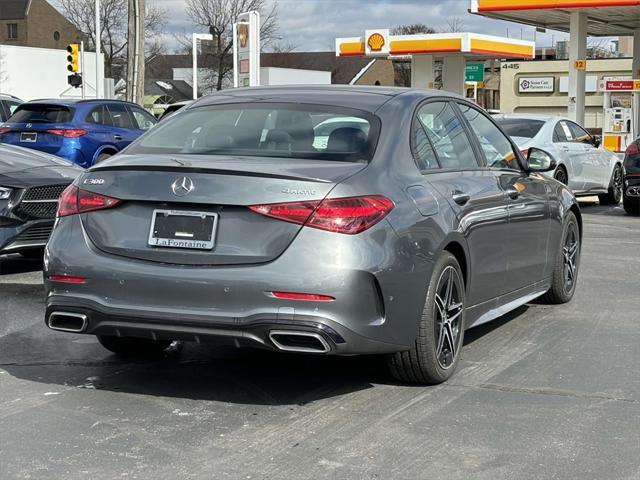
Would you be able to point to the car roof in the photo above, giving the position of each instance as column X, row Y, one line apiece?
column 67, row 102
column 529, row 116
column 368, row 98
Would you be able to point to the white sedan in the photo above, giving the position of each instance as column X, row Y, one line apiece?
column 583, row 164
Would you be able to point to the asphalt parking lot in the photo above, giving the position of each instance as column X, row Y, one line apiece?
column 545, row 392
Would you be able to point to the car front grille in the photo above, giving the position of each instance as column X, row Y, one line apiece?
column 39, row 202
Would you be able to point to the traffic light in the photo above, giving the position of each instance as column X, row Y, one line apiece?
column 73, row 58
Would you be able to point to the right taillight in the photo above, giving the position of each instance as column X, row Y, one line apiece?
column 348, row 215
column 632, row 149
column 75, row 200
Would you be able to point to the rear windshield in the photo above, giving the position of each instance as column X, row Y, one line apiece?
column 520, row 127
column 39, row 113
column 266, row 130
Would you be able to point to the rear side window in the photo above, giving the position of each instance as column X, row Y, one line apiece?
column 120, row 116
column 266, row 130
column 496, row 147
column 520, row 127
column 41, row 113
column 442, row 132
column 579, row 134
column 99, row 115
column 562, row 133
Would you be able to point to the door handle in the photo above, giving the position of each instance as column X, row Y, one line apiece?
column 513, row 192
column 460, row 197
column 117, row 137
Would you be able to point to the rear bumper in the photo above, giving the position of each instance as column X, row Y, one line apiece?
column 376, row 307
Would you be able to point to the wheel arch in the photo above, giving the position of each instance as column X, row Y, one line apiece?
column 456, row 249
column 108, row 148
column 576, row 211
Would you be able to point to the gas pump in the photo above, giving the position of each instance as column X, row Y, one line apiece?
column 619, row 129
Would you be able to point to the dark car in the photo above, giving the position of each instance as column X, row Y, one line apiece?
column 30, row 184
column 8, row 105
column 173, row 108
column 83, row 131
column 413, row 219
column 631, row 193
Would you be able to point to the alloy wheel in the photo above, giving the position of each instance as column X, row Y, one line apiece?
column 448, row 308
column 561, row 176
column 616, row 184
column 570, row 257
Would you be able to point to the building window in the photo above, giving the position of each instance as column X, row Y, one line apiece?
column 12, row 31
column 56, row 36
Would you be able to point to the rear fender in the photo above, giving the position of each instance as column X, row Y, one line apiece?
column 103, row 148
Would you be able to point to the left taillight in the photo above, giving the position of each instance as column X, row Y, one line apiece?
column 4, row 130
column 348, row 215
column 68, row 132
column 75, row 200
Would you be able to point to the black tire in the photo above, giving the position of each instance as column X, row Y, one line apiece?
column 102, row 157
column 631, row 205
column 434, row 356
column 614, row 195
column 567, row 265
column 134, row 347
column 561, row 175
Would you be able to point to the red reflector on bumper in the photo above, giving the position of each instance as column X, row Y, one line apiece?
column 302, row 296
column 67, row 279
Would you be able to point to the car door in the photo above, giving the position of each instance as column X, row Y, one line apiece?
column 575, row 155
column 123, row 131
column 526, row 247
column 449, row 163
column 596, row 168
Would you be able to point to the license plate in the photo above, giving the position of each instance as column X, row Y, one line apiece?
column 183, row 229
column 29, row 137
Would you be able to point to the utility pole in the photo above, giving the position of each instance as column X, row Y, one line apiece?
column 99, row 78
column 135, row 52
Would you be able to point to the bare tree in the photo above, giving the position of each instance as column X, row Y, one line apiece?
column 412, row 29
column 402, row 68
column 283, row 47
column 113, row 24
column 218, row 17
column 454, row 25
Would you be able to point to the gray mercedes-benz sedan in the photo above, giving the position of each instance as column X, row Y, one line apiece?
column 323, row 220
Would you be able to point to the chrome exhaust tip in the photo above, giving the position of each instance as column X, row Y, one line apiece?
column 67, row 322
column 299, row 341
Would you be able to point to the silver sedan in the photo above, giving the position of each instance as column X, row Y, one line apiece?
column 583, row 164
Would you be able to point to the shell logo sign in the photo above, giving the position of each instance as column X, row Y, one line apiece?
column 376, row 42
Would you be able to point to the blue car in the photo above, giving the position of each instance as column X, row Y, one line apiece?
column 83, row 131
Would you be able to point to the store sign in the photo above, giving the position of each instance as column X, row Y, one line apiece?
column 620, row 85
column 474, row 72
column 536, row 84
column 246, row 50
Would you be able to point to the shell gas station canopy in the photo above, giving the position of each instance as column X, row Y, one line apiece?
column 581, row 18
column 453, row 48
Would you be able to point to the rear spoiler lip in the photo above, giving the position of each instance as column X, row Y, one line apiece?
column 235, row 173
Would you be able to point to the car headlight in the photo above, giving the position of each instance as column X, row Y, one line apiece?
column 5, row 193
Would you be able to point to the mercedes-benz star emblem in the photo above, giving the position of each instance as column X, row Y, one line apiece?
column 182, row 186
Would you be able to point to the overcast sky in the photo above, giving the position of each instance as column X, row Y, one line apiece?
column 313, row 25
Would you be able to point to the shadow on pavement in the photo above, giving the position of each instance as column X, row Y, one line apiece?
column 199, row 372
column 12, row 264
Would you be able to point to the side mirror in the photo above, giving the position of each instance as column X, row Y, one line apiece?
column 539, row 160
column 596, row 140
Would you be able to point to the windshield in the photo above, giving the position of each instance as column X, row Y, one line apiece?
column 39, row 113
column 520, row 127
column 265, row 130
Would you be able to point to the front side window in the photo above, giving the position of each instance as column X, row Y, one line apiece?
column 144, row 121
column 266, row 130
column 443, row 132
column 496, row 146
column 12, row 31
